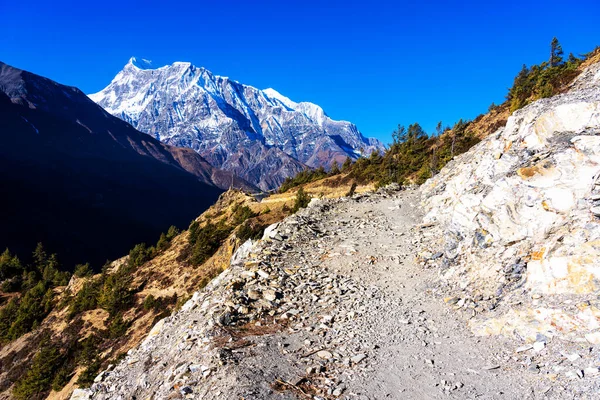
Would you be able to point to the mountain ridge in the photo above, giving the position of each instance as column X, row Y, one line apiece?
column 72, row 170
column 260, row 135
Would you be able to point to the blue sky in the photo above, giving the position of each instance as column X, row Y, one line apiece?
column 375, row 63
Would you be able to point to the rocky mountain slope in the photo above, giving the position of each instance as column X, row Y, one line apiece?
column 259, row 135
column 85, row 183
column 344, row 299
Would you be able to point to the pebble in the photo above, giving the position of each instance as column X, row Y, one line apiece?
column 358, row 358
column 524, row 348
column 324, row 354
column 573, row 357
column 539, row 346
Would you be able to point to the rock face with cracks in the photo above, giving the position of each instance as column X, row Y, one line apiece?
column 519, row 213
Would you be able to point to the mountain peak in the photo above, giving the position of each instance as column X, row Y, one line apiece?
column 259, row 135
column 140, row 63
column 272, row 93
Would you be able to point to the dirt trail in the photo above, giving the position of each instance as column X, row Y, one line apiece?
column 424, row 350
column 335, row 305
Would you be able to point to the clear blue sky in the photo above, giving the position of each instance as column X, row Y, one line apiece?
column 374, row 63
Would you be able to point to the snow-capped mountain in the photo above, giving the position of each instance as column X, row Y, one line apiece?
column 259, row 135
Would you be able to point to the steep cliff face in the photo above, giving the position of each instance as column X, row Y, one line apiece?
column 521, row 211
column 259, row 135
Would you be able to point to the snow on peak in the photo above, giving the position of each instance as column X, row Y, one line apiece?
column 274, row 94
column 311, row 110
column 189, row 106
column 140, row 63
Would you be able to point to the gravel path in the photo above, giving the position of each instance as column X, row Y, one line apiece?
column 423, row 349
column 334, row 305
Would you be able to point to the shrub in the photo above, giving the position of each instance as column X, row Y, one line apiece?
column 241, row 214
column 116, row 294
column 306, row 176
column 139, row 255
column 205, row 241
column 149, row 302
column 117, row 327
column 86, row 298
column 39, row 377
column 33, row 308
column 249, row 230
column 8, row 315
column 86, row 378
column 62, row 376
column 302, row 200
column 10, row 266
column 163, row 243
column 172, row 232
column 83, row 271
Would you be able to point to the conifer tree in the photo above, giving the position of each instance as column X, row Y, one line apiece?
column 556, row 53
column 347, row 164
column 335, row 168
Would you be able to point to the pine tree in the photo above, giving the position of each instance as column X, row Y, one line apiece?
column 399, row 134
column 40, row 257
column 556, row 53
column 439, row 129
column 302, row 200
column 335, row 168
column 347, row 164
column 38, row 379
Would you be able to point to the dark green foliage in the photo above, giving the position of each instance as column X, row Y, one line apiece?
column 164, row 242
column 86, row 378
column 302, row 200
column 139, row 255
column 62, row 376
column 543, row 80
column 149, row 302
column 39, row 378
column 335, row 169
column 306, row 176
column 556, row 53
column 10, row 266
column 8, row 314
column 347, row 164
column 116, row 295
column 87, row 351
column 83, row 271
column 87, row 356
column 241, row 213
column 414, row 156
column 117, row 327
column 33, row 308
column 250, row 230
column 86, row 298
column 172, row 232
column 206, row 240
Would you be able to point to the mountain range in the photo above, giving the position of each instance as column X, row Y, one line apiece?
column 259, row 135
column 85, row 183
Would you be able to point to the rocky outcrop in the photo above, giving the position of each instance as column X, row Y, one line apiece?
column 520, row 218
